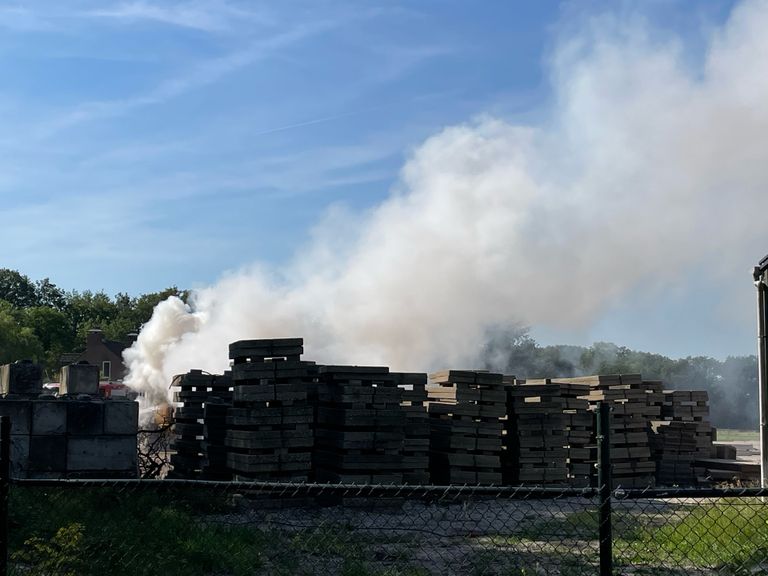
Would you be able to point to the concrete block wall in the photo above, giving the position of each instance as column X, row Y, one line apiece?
column 72, row 437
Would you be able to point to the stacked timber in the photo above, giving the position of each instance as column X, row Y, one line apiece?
column 416, row 441
column 191, row 393
column 548, row 434
column 360, row 426
column 270, row 424
column 466, row 413
column 535, row 441
column 631, row 459
column 674, row 448
column 685, row 436
column 215, row 429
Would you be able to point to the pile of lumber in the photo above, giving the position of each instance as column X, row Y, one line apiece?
column 632, row 465
column 674, row 449
column 550, row 429
column 416, row 441
column 534, row 439
column 269, row 426
column 192, row 455
column 684, row 436
column 466, row 411
column 360, row 426
column 215, row 429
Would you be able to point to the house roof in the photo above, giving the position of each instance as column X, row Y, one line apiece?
column 115, row 347
column 70, row 357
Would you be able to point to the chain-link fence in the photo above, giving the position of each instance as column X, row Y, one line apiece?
column 214, row 528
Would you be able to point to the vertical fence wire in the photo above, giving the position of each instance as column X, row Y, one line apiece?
column 5, row 478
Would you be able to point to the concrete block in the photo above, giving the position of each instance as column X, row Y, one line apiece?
column 20, row 412
column 101, row 453
column 24, row 378
column 79, row 379
column 47, row 454
column 19, row 455
column 121, row 417
column 49, row 417
column 85, row 417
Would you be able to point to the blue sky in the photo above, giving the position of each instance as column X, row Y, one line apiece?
column 145, row 144
column 217, row 132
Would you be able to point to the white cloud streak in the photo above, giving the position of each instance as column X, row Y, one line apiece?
column 203, row 16
column 202, row 74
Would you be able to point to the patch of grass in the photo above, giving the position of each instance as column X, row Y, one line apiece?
column 359, row 553
column 130, row 534
column 729, row 534
column 728, row 435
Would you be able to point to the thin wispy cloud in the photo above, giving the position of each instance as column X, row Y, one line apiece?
column 22, row 19
column 204, row 16
column 203, row 74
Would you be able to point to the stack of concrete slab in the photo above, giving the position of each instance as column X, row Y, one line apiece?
column 549, row 434
column 416, row 443
column 360, row 426
column 466, row 412
column 270, row 425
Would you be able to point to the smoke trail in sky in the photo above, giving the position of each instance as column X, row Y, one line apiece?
column 648, row 163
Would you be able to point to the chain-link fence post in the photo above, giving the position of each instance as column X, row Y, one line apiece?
column 605, row 486
column 5, row 480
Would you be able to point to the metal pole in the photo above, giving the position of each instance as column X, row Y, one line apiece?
column 762, row 371
column 604, row 487
column 5, row 481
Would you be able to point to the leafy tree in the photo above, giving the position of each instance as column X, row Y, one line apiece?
column 53, row 330
column 50, row 295
column 17, row 342
column 17, row 289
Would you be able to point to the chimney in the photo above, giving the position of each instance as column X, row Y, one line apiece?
column 94, row 338
column 132, row 338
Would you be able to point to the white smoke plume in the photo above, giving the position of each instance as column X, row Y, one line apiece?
column 651, row 160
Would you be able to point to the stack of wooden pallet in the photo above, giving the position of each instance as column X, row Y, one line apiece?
column 360, row 426
column 685, row 436
column 466, row 412
column 565, row 415
column 191, row 391
column 416, row 442
column 269, row 435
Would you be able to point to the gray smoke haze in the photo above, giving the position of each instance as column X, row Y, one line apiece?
column 648, row 163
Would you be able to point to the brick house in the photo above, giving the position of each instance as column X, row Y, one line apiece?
column 106, row 354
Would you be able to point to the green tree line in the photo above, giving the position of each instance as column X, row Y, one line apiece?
column 39, row 321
